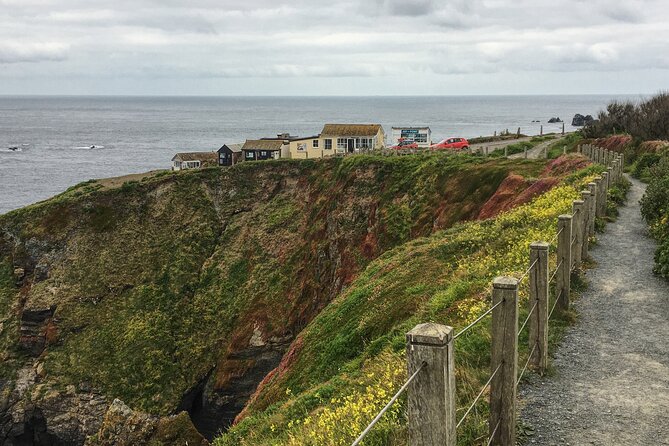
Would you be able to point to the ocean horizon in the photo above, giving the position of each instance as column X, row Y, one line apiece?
column 135, row 134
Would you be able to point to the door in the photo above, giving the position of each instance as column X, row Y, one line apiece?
column 351, row 145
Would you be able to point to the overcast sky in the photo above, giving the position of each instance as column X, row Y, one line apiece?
column 342, row 47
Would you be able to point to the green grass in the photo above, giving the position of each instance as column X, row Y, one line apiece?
column 568, row 144
column 156, row 279
column 442, row 278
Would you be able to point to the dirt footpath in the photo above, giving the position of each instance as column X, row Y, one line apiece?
column 611, row 382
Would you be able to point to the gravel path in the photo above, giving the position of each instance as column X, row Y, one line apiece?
column 536, row 151
column 611, row 385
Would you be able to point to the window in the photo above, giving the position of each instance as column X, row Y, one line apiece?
column 263, row 153
column 364, row 143
column 421, row 137
column 341, row 143
column 249, row 155
column 314, row 143
column 328, row 144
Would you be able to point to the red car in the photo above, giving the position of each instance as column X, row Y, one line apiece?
column 452, row 144
column 405, row 144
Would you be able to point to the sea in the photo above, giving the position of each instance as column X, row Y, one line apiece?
column 62, row 141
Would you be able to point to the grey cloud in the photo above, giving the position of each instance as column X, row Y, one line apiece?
column 414, row 40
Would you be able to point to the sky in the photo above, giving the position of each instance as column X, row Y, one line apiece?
column 325, row 47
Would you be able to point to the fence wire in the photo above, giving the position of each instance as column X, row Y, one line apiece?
column 528, row 270
column 529, row 358
column 478, row 319
column 494, row 431
column 557, row 299
column 557, row 268
column 476, row 400
column 388, row 406
column 527, row 319
column 554, row 239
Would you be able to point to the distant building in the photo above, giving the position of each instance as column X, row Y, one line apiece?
column 307, row 147
column 351, row 138
column 265, row 149
column 421, row 135
column 194, row 160
column 229, row 154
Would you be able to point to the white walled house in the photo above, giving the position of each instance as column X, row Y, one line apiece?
column 422, row 135
column 351, row 138
column 194, row 160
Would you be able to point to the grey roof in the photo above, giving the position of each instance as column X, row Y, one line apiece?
column 196, row 156
column 233, row 147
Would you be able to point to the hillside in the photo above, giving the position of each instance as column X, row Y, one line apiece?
column 185, row 291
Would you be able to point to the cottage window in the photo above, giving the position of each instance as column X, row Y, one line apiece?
column 314, row 143
column 249, row 155
column 341, row 143
column 364, row 143
column 263, row 153
column 328, row 144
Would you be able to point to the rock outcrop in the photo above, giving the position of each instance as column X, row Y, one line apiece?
column 123, row 426
column 580, row 120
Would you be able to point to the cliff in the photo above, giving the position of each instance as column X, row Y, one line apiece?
column 184, row 291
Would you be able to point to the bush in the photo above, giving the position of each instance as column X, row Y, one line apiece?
column 655, row 210
column 646, row 120
column 641, row 168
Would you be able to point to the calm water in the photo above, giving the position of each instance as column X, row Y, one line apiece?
column 143, row 133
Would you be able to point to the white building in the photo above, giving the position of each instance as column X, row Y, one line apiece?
column 421, row 135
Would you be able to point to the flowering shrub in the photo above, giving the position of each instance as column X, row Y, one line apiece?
column 344, row 418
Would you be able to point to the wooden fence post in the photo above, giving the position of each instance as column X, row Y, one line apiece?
column 563, row 277
column 609, row 177
column 600, row 187
column 593, row 208
column 538, row 323
column 614, row 171
column 504, row 361
column 431, row 395
column 578, row 212
column 604, row 192
column 506, row 151
column 585, row 231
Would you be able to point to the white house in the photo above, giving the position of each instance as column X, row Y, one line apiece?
column 422, row 135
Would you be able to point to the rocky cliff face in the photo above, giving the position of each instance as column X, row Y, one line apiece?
column 183, row 292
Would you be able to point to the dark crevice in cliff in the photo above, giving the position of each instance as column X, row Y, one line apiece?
column 219, row 397
column 32, row 432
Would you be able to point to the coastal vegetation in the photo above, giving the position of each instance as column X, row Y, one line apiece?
column 194, row 286
column 349, row 360
column 653, row 167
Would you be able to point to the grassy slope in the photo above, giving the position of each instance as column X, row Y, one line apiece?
column 347, row 362
column 156, row 281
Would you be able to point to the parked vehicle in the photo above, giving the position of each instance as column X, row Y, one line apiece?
column 451, row 144
column 405, row 144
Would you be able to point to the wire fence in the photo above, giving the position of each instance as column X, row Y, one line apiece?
column 539, row 297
